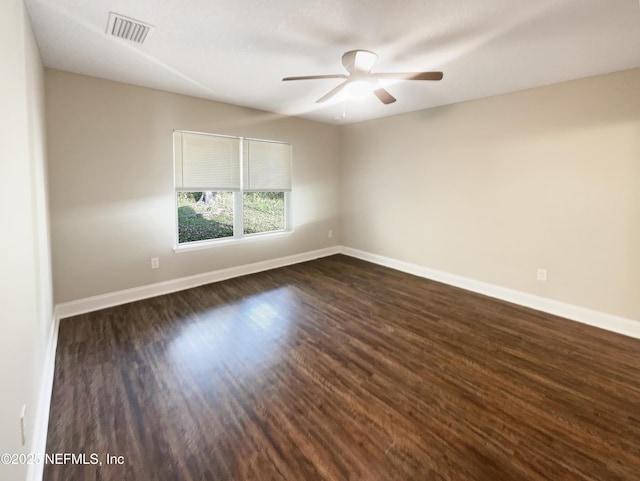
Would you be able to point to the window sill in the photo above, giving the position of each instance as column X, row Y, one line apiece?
column 194, row 246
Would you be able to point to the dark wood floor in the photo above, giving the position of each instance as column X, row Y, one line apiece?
column 337, row 369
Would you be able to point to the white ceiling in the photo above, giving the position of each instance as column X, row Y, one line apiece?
column 237, row 51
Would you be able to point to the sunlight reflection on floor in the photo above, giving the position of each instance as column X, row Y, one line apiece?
column 216, row 339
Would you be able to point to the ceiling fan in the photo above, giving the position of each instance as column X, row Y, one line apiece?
column 362, row 80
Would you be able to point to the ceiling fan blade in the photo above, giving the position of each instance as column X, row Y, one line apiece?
column 314, row 77
column 331, row 93
column 384, row 96
column 359, row 60
column 409, row 75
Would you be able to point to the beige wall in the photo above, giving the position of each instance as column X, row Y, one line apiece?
column 111, row 183
column 490, row 189
column 25, row 284
column 495, row 188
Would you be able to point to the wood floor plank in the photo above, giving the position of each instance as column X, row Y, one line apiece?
column 336, row 370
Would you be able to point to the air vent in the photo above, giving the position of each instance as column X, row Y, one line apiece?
column 128, row 28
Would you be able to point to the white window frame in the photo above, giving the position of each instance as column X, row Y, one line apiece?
column 238, row 207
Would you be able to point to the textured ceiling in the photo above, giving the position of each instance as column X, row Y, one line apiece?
column 237, row 51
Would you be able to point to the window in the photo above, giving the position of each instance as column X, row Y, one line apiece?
column 230, row 187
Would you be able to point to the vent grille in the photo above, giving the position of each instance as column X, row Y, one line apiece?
column 128, row 28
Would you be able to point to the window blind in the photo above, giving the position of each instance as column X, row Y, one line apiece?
column 206, row 162
column 267, row 166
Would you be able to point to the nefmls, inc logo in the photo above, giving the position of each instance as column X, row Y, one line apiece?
column 72, row 458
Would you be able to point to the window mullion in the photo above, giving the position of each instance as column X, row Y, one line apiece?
column 289, row 209
column 238, row 222
column 238, row 205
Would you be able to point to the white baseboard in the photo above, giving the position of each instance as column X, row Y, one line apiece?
column 94, row 303
column 41, row 419
column 591, row 317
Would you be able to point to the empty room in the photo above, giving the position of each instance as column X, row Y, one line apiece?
column 321, row 241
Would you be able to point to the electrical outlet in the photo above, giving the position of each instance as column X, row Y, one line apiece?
column 23, row 425
column 542, row 275
column 330, row 234
column 155, row 262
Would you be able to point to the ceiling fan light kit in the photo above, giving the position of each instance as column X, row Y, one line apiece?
column 361, row 80
column 360, row 88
